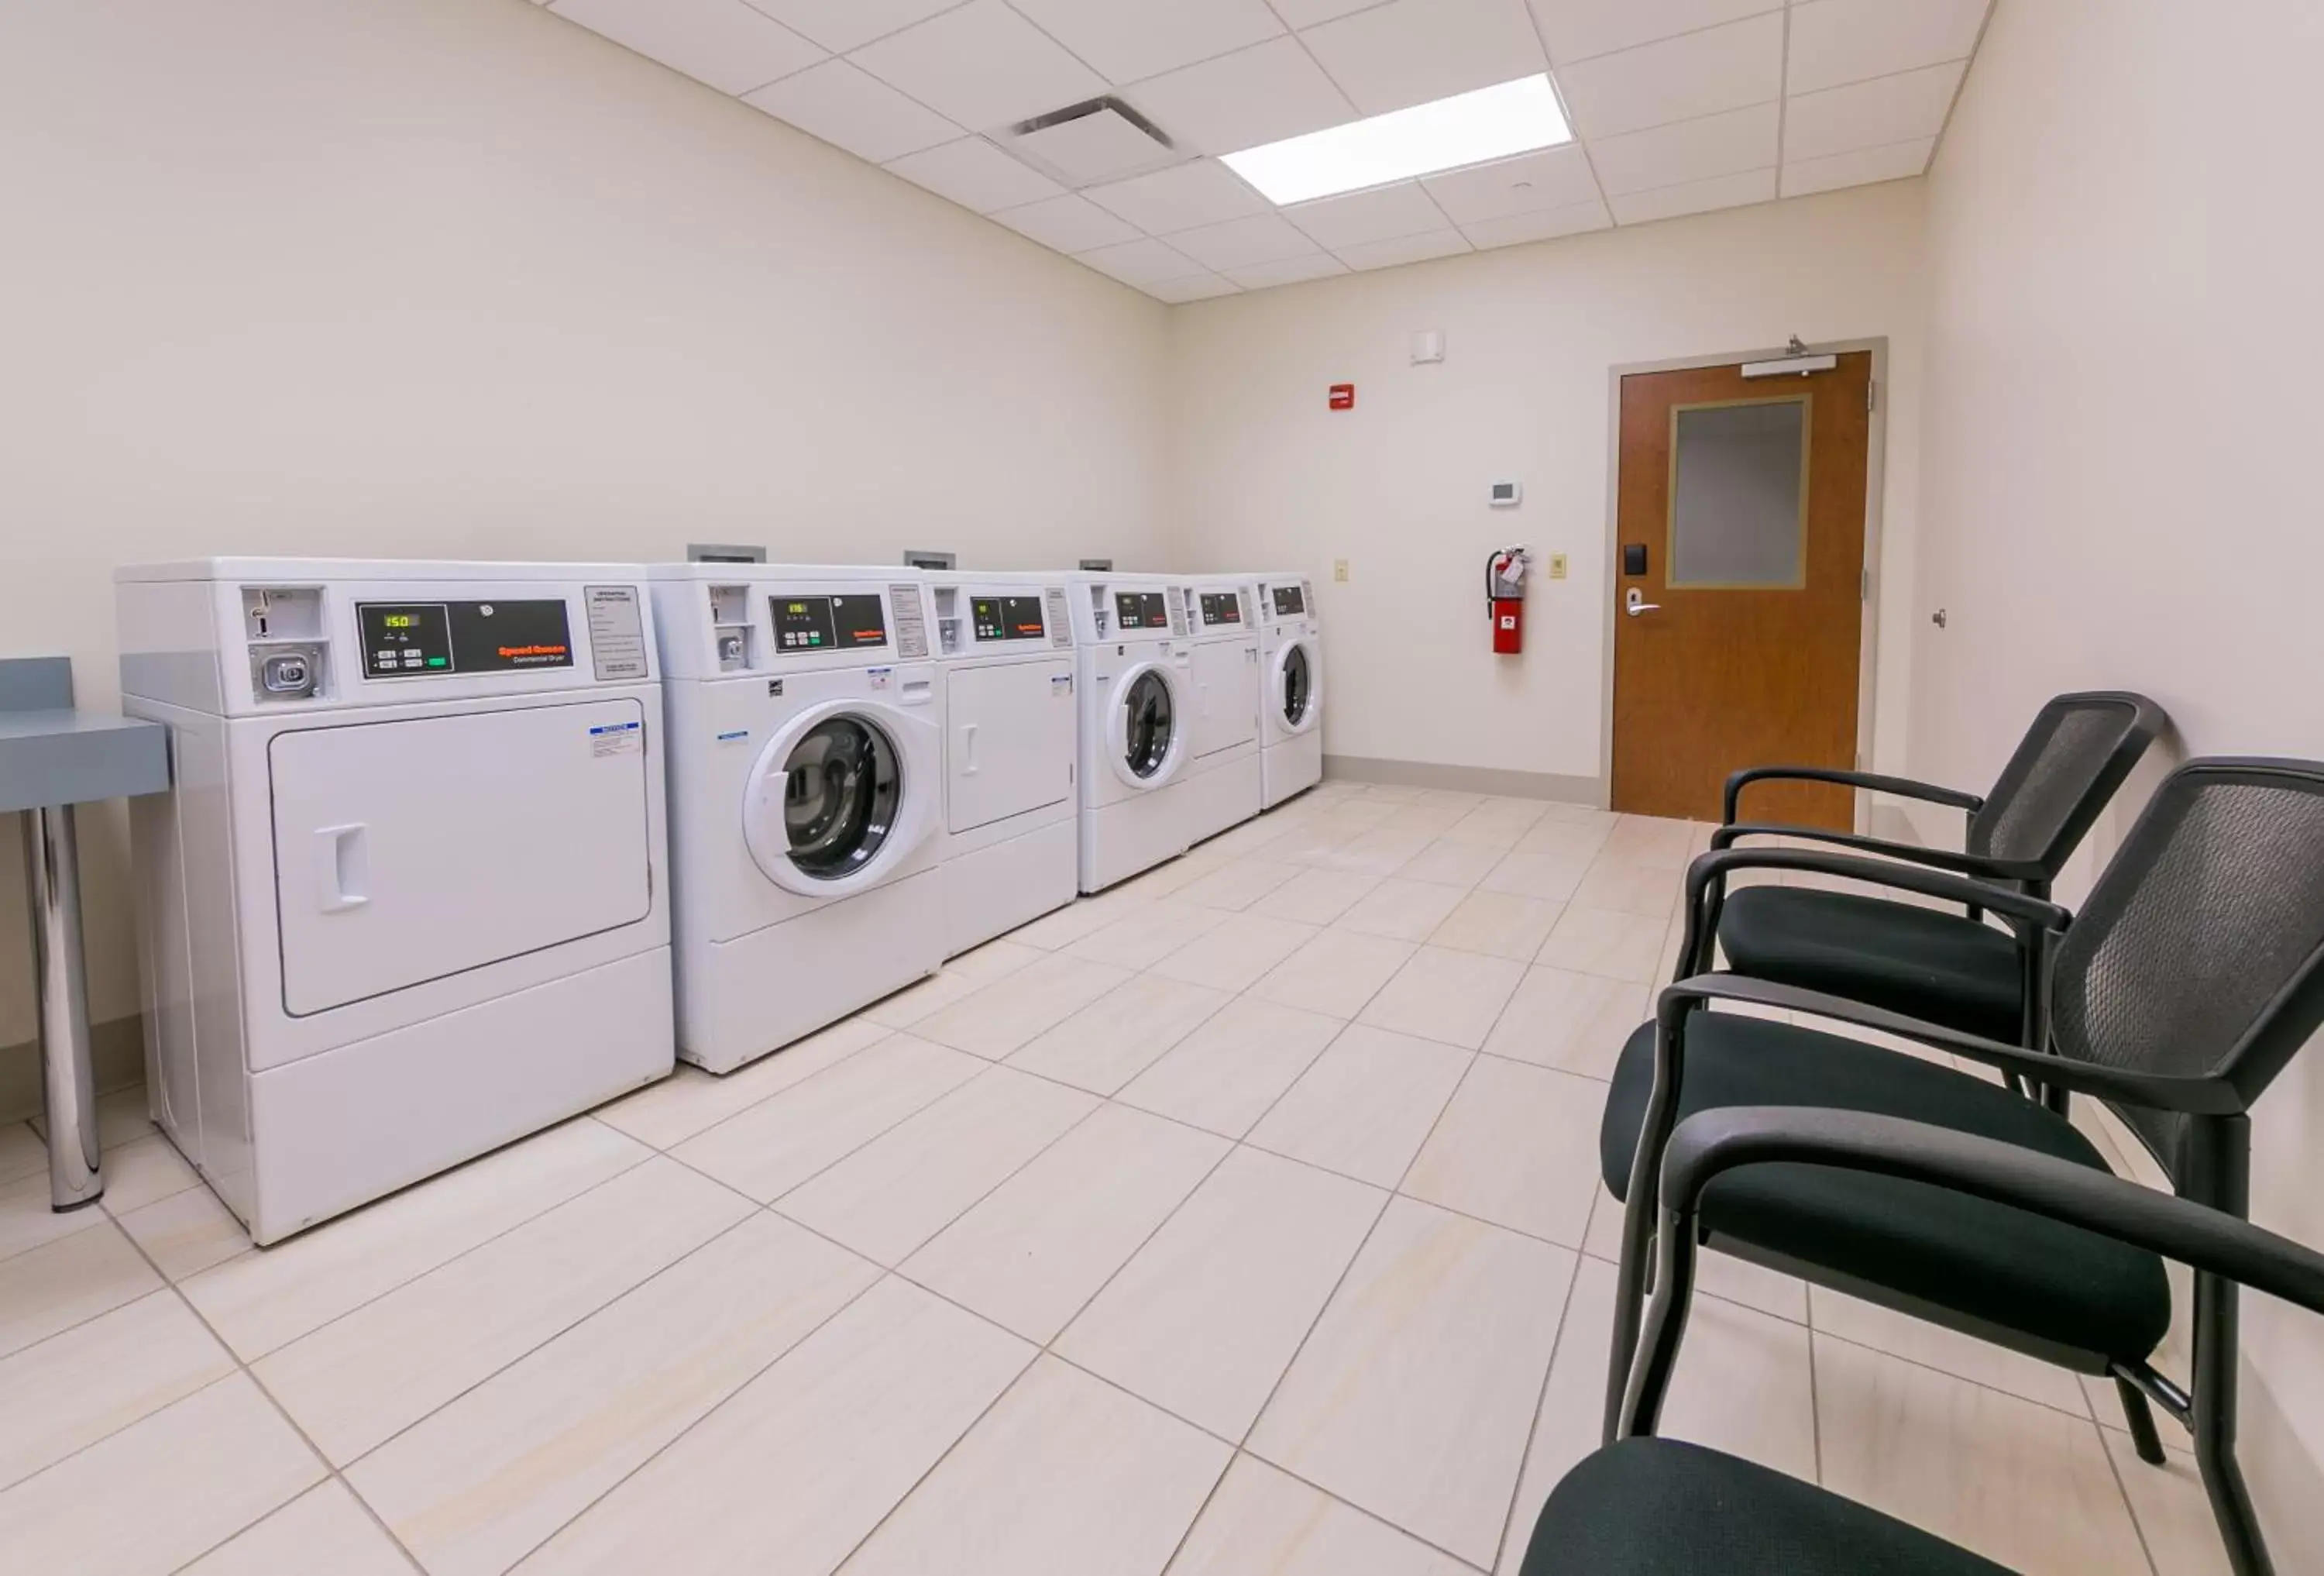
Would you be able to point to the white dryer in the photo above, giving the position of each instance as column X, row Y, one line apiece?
column 404, row 901
column 1134, row 672
column 1222, row 773
column 1290, row 687
column 805, row 779
column 1005, row 660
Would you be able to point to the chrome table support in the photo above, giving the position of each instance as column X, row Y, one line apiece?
column 67, row 1072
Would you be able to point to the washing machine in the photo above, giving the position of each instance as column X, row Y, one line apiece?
column 806, row 754
column 1221, row 774
column 405, row 900
column 1011, row 839
column 1133, row 668
column 1290, row 687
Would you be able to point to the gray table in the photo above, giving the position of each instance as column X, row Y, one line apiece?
column 51, row 759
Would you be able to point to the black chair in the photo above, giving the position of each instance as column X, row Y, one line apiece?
column 2194, row 974
column 1944, row 968
column 1648, row 1506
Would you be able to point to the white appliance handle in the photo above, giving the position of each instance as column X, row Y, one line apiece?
column 968, row 750
column 345, row 867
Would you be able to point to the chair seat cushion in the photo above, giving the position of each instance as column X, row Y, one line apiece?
column 1939, row 967
column 1987, row 1263
column 1661, row 1508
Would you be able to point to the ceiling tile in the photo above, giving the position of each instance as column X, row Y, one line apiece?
column 840, row 25
column 1240, row 242
column 1259, row 95
column 1576, row 30
column 1689, row 150
column 1141, row 263
column 1381, row 215
column 1130, row 40
column 1068, row 222
column 1869, row 114
column 1308, row 13
column 1847, row 41
column 852, row 110
column 1404, row 249
column 983, row 65
column 1550, row 179
column 1289, row 271
column 1861, row 168
column 1198, row 287
column 722, row 42
column 1696, row 196
column 975, row 174
column 1702, row 73
column 1410, row 52
column 1545, row 225
column 1204, row 192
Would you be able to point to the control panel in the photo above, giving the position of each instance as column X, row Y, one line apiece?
column 815, row 624
column 1140, row 610
column 419, row 640
column 754, row 626
column 1007, row 618
column 1221, row 609
column 1290, row 601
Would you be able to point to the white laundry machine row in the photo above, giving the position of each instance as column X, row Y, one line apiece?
column 1222, row 773
column 1011, row 847
column 1290, row 687
column 805, row 755
column 404, row 901
column 1134, row 672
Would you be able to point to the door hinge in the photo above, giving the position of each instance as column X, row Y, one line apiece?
column 1871, row 396
column 1864, row 586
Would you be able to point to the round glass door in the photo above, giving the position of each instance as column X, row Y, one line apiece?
column 842, row 788
column 1298, row 686
column 1152, row 719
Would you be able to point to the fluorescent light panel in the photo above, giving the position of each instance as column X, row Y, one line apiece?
column 1468, row 128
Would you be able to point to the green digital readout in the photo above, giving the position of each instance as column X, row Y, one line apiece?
column 399, row 621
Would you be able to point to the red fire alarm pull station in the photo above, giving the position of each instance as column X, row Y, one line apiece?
column 1343, row 396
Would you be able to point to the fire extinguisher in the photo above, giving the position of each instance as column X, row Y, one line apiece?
column 1505, row 594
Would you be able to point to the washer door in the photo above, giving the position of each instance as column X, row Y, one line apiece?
column 1295, row 685
column 1146, row 726
column 832, row 804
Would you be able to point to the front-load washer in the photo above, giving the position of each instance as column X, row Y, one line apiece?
column 1290, row 687
column 1011, row 815
column 405, row 900
column 806, row 779
column 1133, row 668
column 1221, row 774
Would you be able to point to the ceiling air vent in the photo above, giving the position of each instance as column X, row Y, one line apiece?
column 1083, row 144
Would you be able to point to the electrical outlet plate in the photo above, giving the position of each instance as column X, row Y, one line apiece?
column 1340, row 569
column 1557, row 566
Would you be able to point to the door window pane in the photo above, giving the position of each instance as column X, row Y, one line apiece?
column 1739, row 479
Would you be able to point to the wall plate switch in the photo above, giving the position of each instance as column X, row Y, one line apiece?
column 1557, row 566
column 1340, row 569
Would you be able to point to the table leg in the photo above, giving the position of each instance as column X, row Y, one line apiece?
column 67, row 1072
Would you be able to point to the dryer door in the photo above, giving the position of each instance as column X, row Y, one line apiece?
column 1011, row 745
column 1293, row 687
column 838, row 798
column 1146, row 726
column 408, row 851
column 1227, row 695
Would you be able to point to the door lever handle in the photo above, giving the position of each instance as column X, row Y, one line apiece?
column 1637, row 603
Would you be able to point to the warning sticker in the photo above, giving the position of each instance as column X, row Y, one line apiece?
column 617, row 739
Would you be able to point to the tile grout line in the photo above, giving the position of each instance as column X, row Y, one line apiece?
column 1532, row 1427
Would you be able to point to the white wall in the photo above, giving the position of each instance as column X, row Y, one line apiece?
column 2119, row 464
column 1266, row 478
column 414, row 277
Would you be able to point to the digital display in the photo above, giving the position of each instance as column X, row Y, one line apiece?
column 417, row 640
column 1288, row 601
column 1134, row 610
column 814, row 623
column 1007, row 618
column 1221, row 607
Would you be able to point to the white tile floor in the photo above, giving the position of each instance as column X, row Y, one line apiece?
column 1243, row 1219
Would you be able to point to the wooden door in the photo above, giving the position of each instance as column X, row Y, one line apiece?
column 1740, row 512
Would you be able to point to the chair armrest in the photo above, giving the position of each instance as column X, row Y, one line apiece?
column 2009, row 904
column 1901, row 786
column 2198, row 1096
column 1968, row 864
column 2205, row 1239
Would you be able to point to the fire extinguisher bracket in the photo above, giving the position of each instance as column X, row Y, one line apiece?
column 1505, row 590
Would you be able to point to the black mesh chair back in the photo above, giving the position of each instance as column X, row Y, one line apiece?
column 2201, row 954
column 2069, row 764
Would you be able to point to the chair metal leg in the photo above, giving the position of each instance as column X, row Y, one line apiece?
column 1629, row 1299
column 2141, row 1418
column 2214, row 1427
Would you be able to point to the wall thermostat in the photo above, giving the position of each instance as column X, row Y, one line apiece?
column 1507, row 494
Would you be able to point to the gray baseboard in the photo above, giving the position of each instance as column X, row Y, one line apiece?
column 117, row 1048
column 1466, row 779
